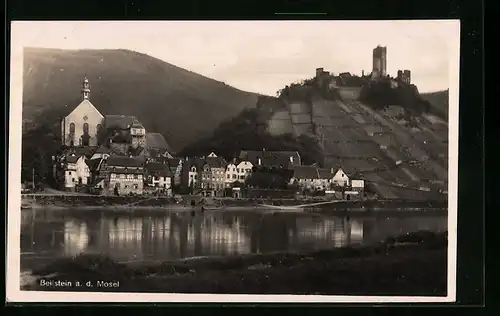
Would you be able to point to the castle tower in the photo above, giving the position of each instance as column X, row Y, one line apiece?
column 86, row 89
column 379, row 61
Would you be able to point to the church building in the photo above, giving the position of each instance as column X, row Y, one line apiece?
column 82, row 125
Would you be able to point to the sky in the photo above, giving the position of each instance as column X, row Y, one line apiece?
column 264, row 56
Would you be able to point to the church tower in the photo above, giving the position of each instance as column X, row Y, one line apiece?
column 86, row 89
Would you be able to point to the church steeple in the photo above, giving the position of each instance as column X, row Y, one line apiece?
column 86, row 89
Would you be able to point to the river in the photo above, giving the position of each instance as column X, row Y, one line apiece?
column 148, row 236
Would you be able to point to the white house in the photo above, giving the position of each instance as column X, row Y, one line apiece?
column 231, row 174
column 357, row 184
column 193, row 176
column 340, row 178
column 159, row 178
column 75, row 171
column 244, row 170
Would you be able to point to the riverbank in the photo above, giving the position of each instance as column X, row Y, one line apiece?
column 413, row 264
column 169, row 203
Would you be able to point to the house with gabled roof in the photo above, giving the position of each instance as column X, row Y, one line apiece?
column 125, row 129
column 157, row 145
column 340, row 178
column 122, row 175
column 311, row 177
column 192, row 169
column 71, row 171
column 158, row 178
column 213, row 176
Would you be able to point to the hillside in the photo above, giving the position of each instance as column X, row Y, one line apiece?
column 247, row 131
column 400, row 156
column 439, row 102
column 182, row 105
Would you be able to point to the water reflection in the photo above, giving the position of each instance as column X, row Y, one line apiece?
column 174, row 236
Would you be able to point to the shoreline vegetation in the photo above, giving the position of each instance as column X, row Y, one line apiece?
column 412, row 264
column 29, row 201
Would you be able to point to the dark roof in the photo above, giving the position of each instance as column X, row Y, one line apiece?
column 136, row 151
column 271, row 158
column 72, row 159
column 216, row 162
column 198, row 162
column 137, row 124
column 325, row 173
column 156, row 140
column 102, row 150
column 173, row 162
column 81, row 150
column 305, row 172
column 93, row 163
column 120, row 121
column 159, row 169
column 126, row 171
column 122, row 161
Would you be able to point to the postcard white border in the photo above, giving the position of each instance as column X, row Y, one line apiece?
column 14, row 294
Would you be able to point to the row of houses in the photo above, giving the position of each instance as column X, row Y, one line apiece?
column 102, row 171
column 114, row 155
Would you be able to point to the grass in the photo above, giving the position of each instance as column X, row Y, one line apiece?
column 413, row 264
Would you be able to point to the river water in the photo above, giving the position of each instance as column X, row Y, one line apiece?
column 156, row 236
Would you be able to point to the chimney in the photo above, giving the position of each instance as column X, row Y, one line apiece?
column 332, row 170
column 291, row 159
column 260, row 162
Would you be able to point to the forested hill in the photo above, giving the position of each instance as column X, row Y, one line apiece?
column 439, row 102
column 246, row 132
column 182, row 105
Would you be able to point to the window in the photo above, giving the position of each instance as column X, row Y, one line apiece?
column 242, row 177
column 193, row 169
column 164, row 178
column 234, row 169
column 126, row 186
column 238, row 170
column 73, row 180
column 195, row 177
column 234, row 176
column 165, row 185
column 228, row 176
column 136, row 186
column 69, row 173
column 72, row 129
